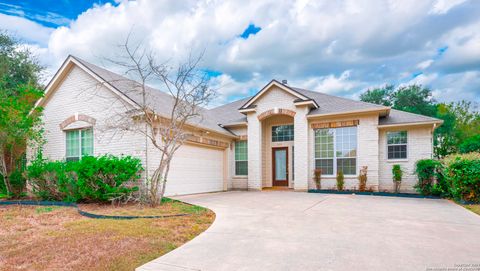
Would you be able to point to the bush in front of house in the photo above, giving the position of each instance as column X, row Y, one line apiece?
column 362, row 179
column 462, row 173
column 340, row 180
column 92, row 179
column 317, row 177
column 397, row 177
column 430, row 178
column 471, row 144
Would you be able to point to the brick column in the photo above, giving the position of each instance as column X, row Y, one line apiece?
column 302, row 152
column 254, row 152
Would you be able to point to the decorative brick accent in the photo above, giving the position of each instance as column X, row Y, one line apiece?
column 77, row 117
column 208, row 141
column 278, row 111
column 335, row 124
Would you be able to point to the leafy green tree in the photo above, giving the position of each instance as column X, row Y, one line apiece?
column 378, row 95
column 471, row 144
column 18, row 66
column 18, row 122
column 20, row 87
column 415, row 99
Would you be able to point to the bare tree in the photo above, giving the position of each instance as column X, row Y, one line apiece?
column 166, row 125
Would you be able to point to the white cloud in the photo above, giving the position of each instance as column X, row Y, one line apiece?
column 425, row 64
column 26, row 30
column 443, row 6
column 340, row 47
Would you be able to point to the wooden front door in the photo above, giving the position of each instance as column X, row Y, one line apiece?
column 280, row 166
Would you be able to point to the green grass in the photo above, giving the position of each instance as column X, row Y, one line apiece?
column 3, row 196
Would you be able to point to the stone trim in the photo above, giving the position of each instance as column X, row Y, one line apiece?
column 77, row 117
column 207, row 141
column 335, row 124
column 276, row 111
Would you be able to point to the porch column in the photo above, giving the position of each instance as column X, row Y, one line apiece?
column 254, row 152
column 302, row 152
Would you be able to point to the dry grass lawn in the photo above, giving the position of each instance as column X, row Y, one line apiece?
column 58, row 238
column 473, row 207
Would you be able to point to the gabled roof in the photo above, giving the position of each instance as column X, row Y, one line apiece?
column 159, row 101
column 300, row 97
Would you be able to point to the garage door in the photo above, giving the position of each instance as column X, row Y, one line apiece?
column 195, row 169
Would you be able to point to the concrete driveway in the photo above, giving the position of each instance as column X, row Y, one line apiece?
column 276, row 230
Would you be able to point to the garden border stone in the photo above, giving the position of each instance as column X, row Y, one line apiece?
column 84, row 213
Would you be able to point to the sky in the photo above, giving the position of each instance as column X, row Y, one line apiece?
column 338, row 47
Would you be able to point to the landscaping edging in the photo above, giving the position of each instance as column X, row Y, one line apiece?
column 381, row 194
column 81, row 212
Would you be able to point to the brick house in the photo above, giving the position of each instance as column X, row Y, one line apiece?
column 275, row 138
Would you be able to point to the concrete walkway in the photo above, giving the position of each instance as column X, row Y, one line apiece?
column 278, row 230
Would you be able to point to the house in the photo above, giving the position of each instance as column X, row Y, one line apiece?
column 275, row 138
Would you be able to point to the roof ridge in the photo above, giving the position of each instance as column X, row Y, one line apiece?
column 339, row 97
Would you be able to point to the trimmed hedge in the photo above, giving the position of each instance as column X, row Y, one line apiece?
column 92, row 179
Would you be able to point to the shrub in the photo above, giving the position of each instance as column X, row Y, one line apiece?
column 449, row 159
column 362, row 179
column 340, row 180
column 397, row 177
column 52, row 180
column 428, row 172
column 463, row 176
column 17, row 181
column 92, row 179
column 318, row 177
column 471, row 144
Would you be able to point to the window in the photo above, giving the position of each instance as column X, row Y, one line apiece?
column 241, row 158
column 282, row 133
column 79, row 143
column 397, row 145
column 336, row 150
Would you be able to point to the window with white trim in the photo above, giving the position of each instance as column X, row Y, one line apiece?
column 79, row 143
column 282, row 133
column 397, row 145
column 241, row 158
column 336, row 150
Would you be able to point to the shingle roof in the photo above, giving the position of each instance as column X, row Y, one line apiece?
column 157, row 100
column 226, row 114
column 399, row 117
column 329, row 104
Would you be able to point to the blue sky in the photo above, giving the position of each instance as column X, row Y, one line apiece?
column 338, row 47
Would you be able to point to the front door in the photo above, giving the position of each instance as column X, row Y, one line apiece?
column 280, row 166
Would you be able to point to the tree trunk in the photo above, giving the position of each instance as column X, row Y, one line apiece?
column 3, row 171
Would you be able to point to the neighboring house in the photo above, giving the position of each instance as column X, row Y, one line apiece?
column 275, row 138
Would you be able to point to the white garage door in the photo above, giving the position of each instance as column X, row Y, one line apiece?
column 195, row 169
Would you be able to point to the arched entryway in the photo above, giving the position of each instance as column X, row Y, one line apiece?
column 278, row 148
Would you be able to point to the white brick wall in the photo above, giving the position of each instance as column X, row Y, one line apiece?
column 302, row 151
column 367, row 151
column 80, row 93
column 419, row 147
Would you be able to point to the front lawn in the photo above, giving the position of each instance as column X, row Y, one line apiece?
column 473, row 207
column 58, row 238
